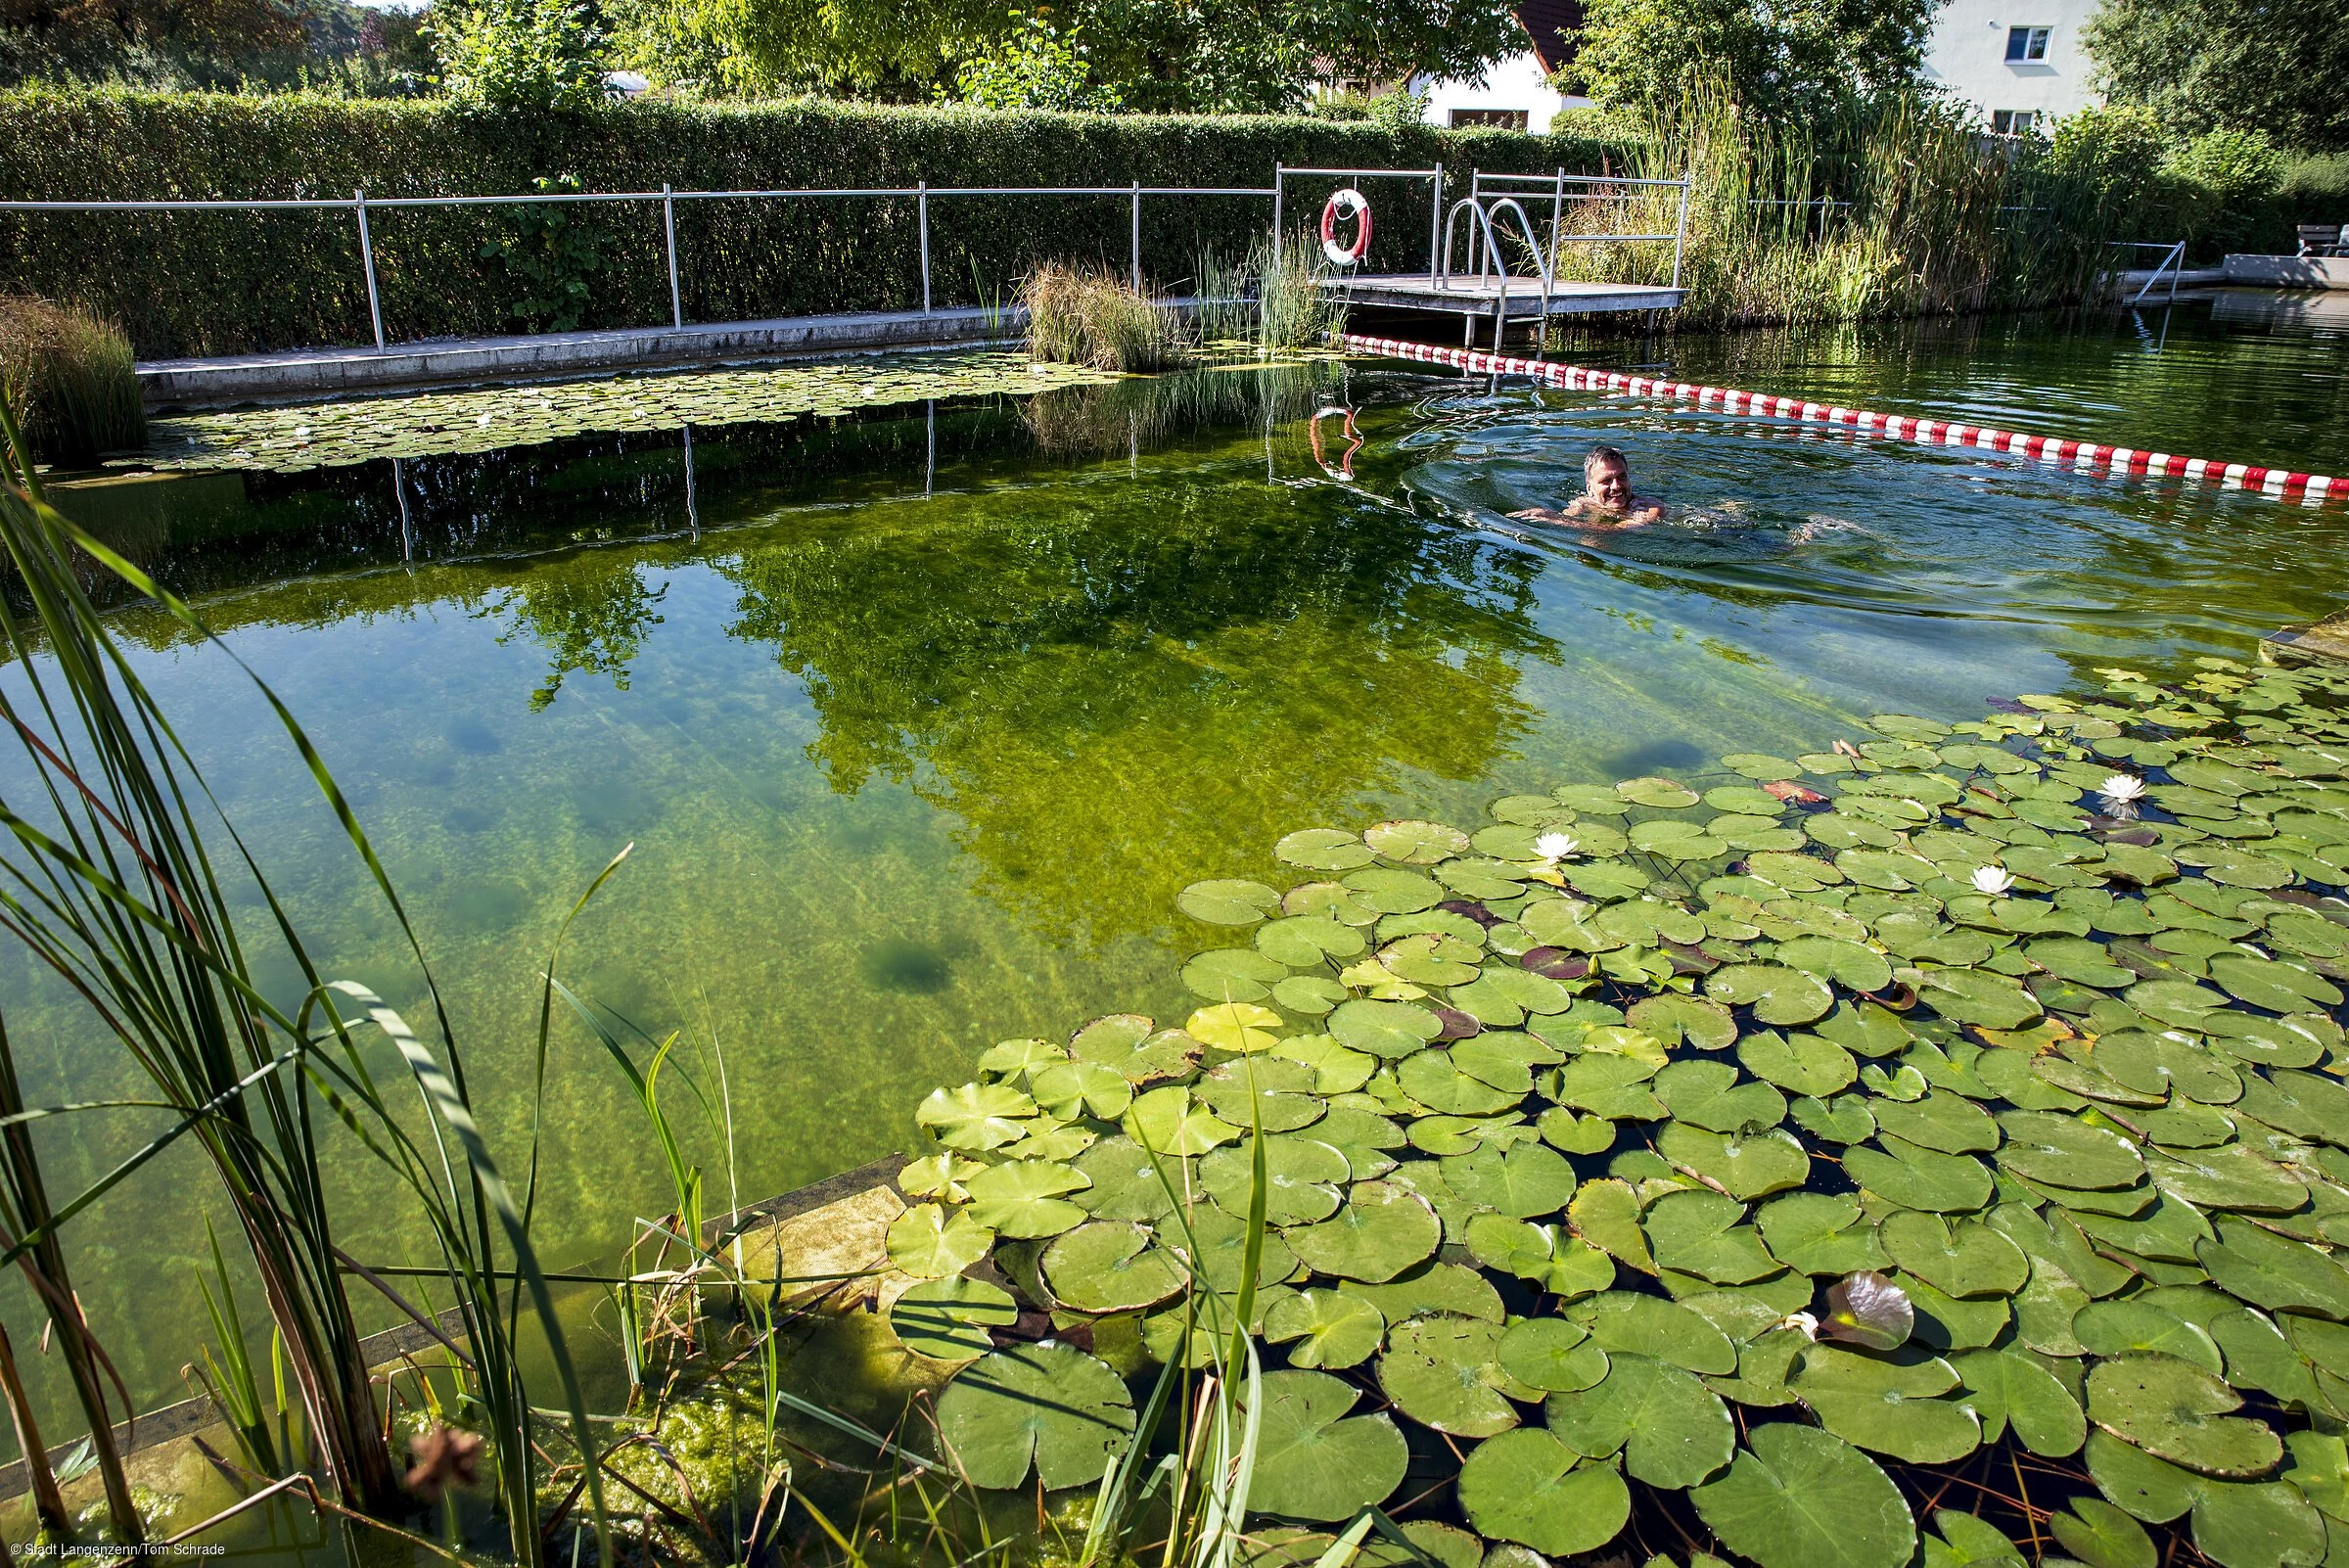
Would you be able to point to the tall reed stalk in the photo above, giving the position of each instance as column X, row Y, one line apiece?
column 1088, row 315
column 111, row 885
column 72, row 376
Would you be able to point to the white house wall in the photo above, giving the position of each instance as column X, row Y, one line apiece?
column 1515, row 83
column 1967, row 55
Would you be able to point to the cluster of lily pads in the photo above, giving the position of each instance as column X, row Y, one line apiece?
column 291, row 437
column 1705, row 1146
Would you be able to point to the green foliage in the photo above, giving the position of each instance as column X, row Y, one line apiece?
column 71, row 375
column 530, row 55
column 2280, row 67
column 2218, row 189
column 2316, row 189
column 1783, row 62
column 1036, row 68
column 554, row 260
column 226, row 282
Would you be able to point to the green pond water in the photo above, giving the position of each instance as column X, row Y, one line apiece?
column 918, row 716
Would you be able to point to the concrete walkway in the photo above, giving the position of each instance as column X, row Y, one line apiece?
column 326, row 372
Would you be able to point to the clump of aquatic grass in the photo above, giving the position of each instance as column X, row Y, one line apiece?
column 1293, row 310
column 1088, row 315
column 72, row 377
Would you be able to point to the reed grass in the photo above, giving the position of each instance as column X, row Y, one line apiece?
column 1088, row 315
column 106, row 878
column 70, row 375
column 1905, row 211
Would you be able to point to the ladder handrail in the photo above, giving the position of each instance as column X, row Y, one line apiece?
column 1492, row 252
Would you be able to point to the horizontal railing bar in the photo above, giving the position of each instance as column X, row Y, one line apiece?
column 1578, row 179
column 346, row 204
column 1594, row 239
column 1373, row 173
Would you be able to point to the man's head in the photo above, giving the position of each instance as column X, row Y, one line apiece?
column 1607, row 476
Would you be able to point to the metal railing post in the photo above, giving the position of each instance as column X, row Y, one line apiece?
column 1138, row 236
column 1680, row 234
column 375, row 302
column 668, row 227
column 1435, row 227
column 1276, row 183
column 921, row 206
column 1557, row 218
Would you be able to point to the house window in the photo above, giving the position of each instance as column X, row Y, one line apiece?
column 2026, row 45
column 2013, row 121
column 1489, row 120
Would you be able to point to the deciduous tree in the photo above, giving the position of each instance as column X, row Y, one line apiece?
column 2276, row 66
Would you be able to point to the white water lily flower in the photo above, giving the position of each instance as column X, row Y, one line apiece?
column 1992, row 880
column 1557, row 847
column 2121, row 788
column 1802, row 1322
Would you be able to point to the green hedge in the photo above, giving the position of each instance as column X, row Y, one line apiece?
column 223, row 282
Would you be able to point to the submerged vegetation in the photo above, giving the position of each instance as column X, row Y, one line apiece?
column 70, row 375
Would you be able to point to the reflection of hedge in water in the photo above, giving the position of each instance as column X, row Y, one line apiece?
column 1147, row 411
column 1219, row 671
column 1586, row 1112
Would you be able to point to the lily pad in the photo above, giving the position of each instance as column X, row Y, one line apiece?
column 1671, row 1431
column 1869, row 1308
column 1385, row 1029
column 1228, row 903
column 1112, row 1265
column 1890, row 1406
column 1381, row 1230
column 1628, row 1322
column 1169, row 1122
column 1799, row 1497
column 2102, row 1536
column 1027, row 1198
column 1745, row 1165
column 1819, row 1234
column 1047, row 1406
column 1527, row 1487
column 1322, row 849
column 1672, row 1018
column 1445, row 1372
column 976, row 1116
column 1698, row 1232
column 2180, row 1412
column 1915, row 1177
column 1415, row 843
column 1529, row 1180
column 1968, row 1259
column 1552, row 1354
column 1313, row 1459
column 949, row 1319
column 2009, row 1390
column 1325, row 1328
column 928, row 1243
column 1776, row 994
column 1799, row 1064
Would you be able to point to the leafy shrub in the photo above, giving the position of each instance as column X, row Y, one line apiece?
column 554, row 259
column 526, row 54
column 2232, row 178
column 2316, row 189
column 70, row 377
column 1036, row 68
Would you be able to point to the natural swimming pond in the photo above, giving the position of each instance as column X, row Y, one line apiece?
column 920, row 716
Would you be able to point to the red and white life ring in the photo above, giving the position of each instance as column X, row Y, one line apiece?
column 1346, row 202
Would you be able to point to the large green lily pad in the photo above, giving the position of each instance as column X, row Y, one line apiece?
column 1445, row 1372
column 1313, row 1459
column 1381, row 1230
column 1326, row 1329
column 2175, row 1409
column 949, row 1319
column 1112, row 1265
column 1526, row 1486
column 1670, row 1430
column 1890, row 1405
column 1047, row 1406
column 1799, row 1497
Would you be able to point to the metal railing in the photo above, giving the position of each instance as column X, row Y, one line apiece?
column 1283, row 173
column 359, row 203
column 1490, row 253
column 1606, row 184
column 2172, row 263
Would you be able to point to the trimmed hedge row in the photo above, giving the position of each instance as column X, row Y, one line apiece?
column 231, row 282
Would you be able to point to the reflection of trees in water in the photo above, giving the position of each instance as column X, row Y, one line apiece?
column 1145, row 412
column 1118, row 685
column 591, row 610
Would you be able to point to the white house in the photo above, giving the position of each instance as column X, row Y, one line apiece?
column 2021, row 62
column 1514, row 93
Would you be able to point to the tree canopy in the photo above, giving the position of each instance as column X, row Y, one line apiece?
column 1169, row 56
column 1797, row 59
column 2278, row 66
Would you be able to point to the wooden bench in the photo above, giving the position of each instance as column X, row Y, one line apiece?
column 2323, row 239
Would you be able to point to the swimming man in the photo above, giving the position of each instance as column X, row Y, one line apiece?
column 1606, row 502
